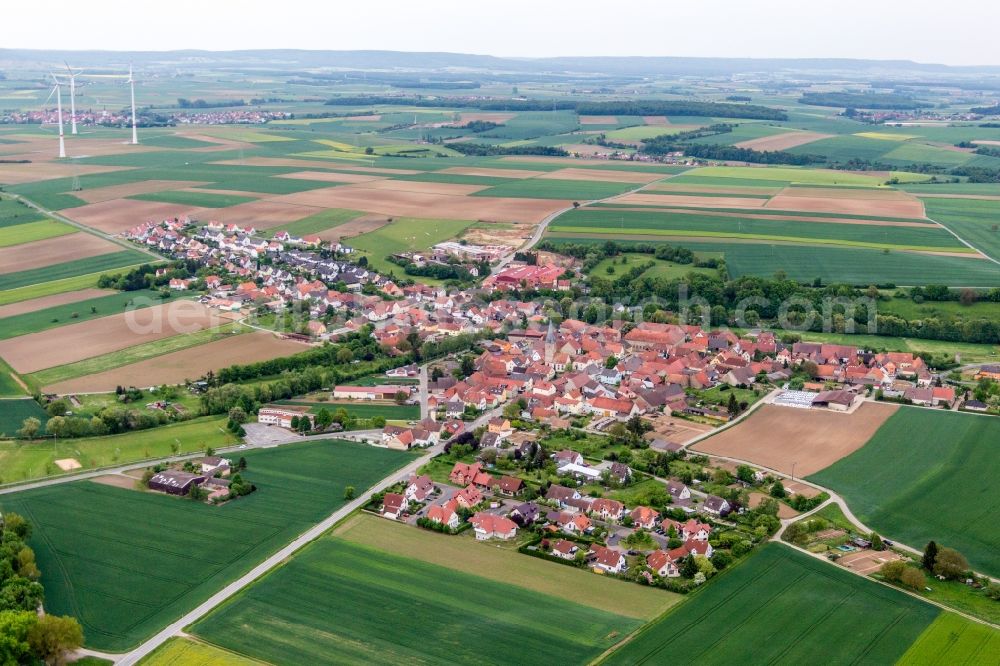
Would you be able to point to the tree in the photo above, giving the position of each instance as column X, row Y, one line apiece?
column 778, row 490
column 745, row 473
column 893, row 571
column 344, row 355
column 57, row 426
column 950, row 563
column 436, row 373
column 930, row 555
column 876, row 541
column 14, row 628
column 400, row 397
column 467, row 366
column 294, row 423
column 733, row 407
column 689, row 567
column 29, row 428
column 349, row 493
column 52, row 636
column 323, row 418
column 912, row 578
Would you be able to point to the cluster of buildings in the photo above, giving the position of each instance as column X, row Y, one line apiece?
column 105, row 118
column 492, row 507
column 210, row 473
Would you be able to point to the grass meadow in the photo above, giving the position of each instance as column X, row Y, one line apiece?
column 781, row 606
column 928, row 474
column 126, row 578
column 338, row 602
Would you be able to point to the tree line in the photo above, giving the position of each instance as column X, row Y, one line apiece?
column 862, row 100
column 26, row 637
column 613, row 108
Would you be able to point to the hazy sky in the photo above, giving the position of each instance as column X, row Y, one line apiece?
column 923, row 30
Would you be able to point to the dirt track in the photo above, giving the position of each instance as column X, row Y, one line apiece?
column 812, row 439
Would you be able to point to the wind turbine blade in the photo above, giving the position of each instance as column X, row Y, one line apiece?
column 51, row 93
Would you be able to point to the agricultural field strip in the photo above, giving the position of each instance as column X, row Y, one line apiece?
column 745, row 600
column 292, row 497
column 939, row 490
column 920, row 236
column 368, row 584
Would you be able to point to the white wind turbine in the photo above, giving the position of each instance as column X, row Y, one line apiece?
column 72, row 96
column 131, row 83
column 57, row 91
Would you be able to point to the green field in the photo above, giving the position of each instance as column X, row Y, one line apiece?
column 102, row 262
column 12, row 415
column 188, row 652
column 61, row 315
column 8, row 386
column 551, row 188
column 48, row 288
column 951, row 639
column 781, row 606
column 928, row 474
column 787, row 174
column 684, row 224
column 362, row 410
column 338, row 602
column 314, row 224
column 859, row 266
column 667, row 270
column 975, row 220
column 33, row 231
column 203, row 199
column 126, row 578
column 402, row 234
column 24, row 461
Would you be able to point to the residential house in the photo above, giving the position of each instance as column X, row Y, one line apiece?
column 662, row 565
column 607, row 560
column 394, row 505
column 490, row 526
column 644, row 517
column 565, row 550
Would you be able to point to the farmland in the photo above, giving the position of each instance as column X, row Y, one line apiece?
column 188, row 652
column 666, row 270
column 505, row 566
column 951, row 639
column 809, row 611
column 13, row 413
column 23, row 461
column 813, row 439
column 97, row 566
column 73, row 268
column 975, row 220
column 75, row 312
column 925, row 475
column 402, row 234
column 33, row 231
column 330, row 602
column 162, row 366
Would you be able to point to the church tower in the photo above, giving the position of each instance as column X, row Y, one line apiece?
column 550, row 344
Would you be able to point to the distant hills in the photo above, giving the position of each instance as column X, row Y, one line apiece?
column 291, row 60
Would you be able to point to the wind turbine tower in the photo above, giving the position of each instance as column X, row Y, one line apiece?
column 72, row 97
column 62, row 136
column 131, row 83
